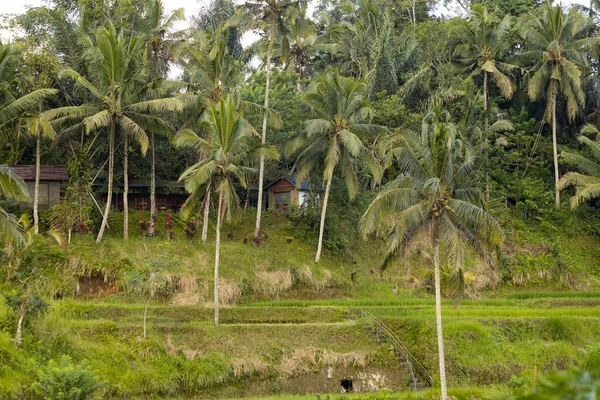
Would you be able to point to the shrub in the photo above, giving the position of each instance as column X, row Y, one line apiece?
column 67, row 381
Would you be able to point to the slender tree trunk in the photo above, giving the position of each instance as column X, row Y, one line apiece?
column 438, row 309
column 36, row 195
column 125, row 187
column 247, row 201
column 146, row 314
column 19, row 334
column 487, row 142
column 206, row 213
column 323, row 213
column 217, row 254
column 152, row 186
column 261, row 173
column 111, row 167
column 555, row 151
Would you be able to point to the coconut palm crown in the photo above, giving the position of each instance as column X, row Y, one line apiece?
column 435, row 194
column 587, row 183
column 338, row 119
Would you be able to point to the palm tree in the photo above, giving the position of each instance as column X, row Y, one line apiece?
column 156, row 28
column 112, row 92
column 588, row 183
column 212, row 71
column 554, row 44
column 339, row 118
column 39, row 128
column 276, row 17
column 435, row 193
column 485, row 42
column 225, row 152
column 11, row 106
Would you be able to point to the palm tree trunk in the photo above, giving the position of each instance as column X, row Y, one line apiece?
column 261, row 173
column 438, row 309
column 36, row 194
column 146, row 314
column 323, row 213
column 19, row 334
column 555, row 151
column 217, row 254
column 152, row 186
column 125, row 188
column 206, row 213
column 485, row 126
column 111, row 167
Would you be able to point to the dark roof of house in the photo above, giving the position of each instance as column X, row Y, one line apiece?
column 47, row 172
column 291, row 179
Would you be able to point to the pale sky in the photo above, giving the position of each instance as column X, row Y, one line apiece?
column 190, row 7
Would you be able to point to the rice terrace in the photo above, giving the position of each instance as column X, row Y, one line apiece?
column 293, row 199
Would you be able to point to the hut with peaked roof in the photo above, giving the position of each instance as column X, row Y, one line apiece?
column 51, row 179
column 286, row 191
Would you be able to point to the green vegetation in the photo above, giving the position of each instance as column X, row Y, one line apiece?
column 427, row 153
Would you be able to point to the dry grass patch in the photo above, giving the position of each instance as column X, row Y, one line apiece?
column 271, row 283
column 308, row 360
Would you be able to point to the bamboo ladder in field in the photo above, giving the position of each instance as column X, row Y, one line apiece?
column 384, row 334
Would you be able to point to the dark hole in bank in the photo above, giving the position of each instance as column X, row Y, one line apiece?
column 346, row 385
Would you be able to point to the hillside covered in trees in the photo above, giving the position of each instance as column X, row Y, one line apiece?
column 289, row 198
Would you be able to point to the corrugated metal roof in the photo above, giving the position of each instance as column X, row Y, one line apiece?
column 47, row 172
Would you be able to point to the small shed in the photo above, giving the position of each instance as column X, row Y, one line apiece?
column 51, row 178
column 285, row 190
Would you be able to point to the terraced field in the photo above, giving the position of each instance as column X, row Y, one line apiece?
column 494, row 346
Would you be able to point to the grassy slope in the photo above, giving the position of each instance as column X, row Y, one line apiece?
column 286, row 307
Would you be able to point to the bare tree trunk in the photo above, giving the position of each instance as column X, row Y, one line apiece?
column 152, row 186
column 555, row 151
column 36, row 195
column 206, row 213
column 217, row 254
column 438, row 309
column 19, row 334
column 247, row 201
column 261, row 173
column 146, row 314
column 125, row 187
column 487, row 142
column 111, row 167
column 323, row 214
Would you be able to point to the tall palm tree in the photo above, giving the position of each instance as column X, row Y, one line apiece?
column 112, row 90
column 588, row 183
column 435, row 193
column 276, row 17
column 338, row 119
column 13, row 107
column 212, row 72
column 225, row 152
column 157, row 26
column 484, row 44
column 39, row 128
column 554, row 44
